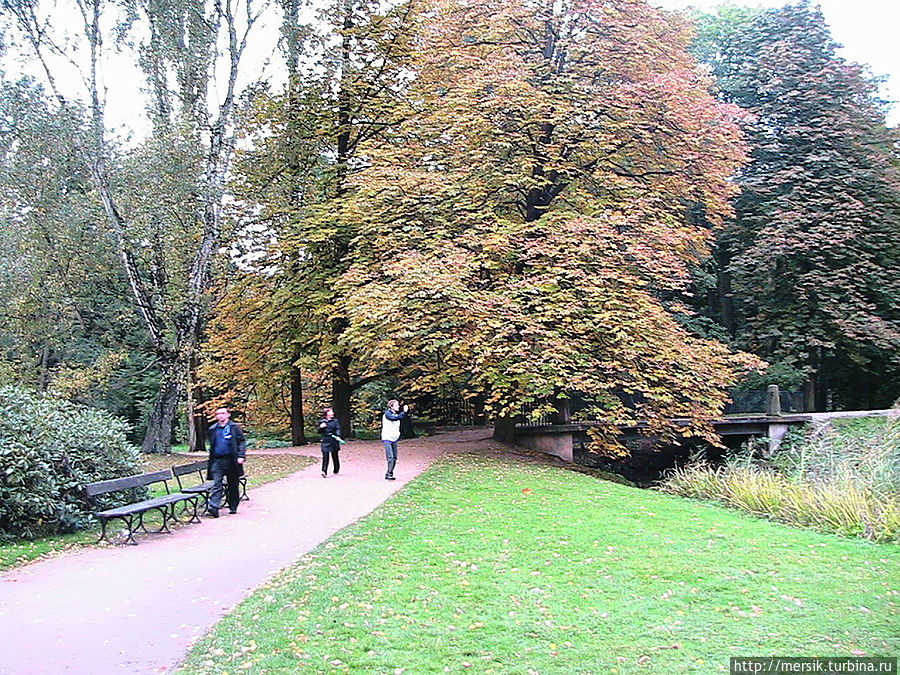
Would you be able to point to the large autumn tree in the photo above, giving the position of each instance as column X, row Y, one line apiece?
column 809, row 267
column 516, row 234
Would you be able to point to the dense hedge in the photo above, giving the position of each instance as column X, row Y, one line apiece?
column 49, row 449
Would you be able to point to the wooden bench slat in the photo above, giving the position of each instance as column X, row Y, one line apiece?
column 185, row 469
column 126, row 482
column 145, row 505
column 194, row 489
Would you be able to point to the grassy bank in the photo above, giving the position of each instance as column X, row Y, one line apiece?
column 262, row 468
column 487, row 565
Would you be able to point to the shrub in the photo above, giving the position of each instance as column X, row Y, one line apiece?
column 49, row 449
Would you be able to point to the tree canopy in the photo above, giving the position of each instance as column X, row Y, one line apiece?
column 812, row 253
column 517, row 230
column 514, row 201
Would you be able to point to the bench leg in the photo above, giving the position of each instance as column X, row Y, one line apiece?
column 195, row 503
column 164, row 512
column 188, row 506
column 129, row 524
column 103, row 522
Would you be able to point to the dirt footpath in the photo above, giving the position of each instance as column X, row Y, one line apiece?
column 137, row 609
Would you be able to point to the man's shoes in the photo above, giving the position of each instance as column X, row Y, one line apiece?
column 211, row 513
column 232, row 510
column 389, row 478
column 324, row 475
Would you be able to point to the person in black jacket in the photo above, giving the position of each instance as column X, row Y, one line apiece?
column 227, row 449
column 330, row 429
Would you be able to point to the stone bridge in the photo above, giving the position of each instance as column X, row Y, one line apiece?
column 563, row 440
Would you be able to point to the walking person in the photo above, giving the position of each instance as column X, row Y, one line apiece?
column 390, row 434
column 227, row 450
column 330, row 429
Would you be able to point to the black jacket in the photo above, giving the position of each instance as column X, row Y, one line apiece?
column 332, row 428
column 237, row 444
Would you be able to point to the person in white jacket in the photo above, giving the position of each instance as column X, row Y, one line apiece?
column 390, row 434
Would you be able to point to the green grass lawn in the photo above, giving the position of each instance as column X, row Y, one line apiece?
column 490, row 565
column 261, row 469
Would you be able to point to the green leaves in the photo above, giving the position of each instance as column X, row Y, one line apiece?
column 814, row 247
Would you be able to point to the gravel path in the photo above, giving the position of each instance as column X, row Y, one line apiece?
column 137, row 609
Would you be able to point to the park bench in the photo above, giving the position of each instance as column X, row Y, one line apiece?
column 133, row 514
column 202, row 486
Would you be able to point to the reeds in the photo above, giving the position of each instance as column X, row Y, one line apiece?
column 843, row 479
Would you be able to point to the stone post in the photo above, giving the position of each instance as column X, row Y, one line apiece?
column 773, row 400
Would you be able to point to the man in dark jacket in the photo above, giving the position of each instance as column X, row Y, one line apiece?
column 227, row 449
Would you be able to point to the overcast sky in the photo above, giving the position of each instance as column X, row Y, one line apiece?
column 867, row 29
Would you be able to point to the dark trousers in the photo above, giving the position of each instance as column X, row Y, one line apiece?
column 390, row 454
column 220, row 468
column 333, row 451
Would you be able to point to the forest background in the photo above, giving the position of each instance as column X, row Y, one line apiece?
column 493, row 206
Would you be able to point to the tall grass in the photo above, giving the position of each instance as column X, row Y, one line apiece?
column 843, row 477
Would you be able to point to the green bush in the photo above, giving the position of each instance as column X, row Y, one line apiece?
column 49, row 449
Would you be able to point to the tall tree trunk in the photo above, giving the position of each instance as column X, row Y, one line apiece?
column 563, row 411
column 726, row 297
column 341, row 391
column 815, row 389
column 291, row 32
column 196, row 419
column 189, row 420
column 158, row 437
column 820, row 390
column 809, row 394
column 298, row 432
column 44, row 375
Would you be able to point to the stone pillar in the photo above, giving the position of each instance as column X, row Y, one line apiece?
column 558, row 444
column 773, row 400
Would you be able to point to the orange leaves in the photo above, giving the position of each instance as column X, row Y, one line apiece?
column 513, row 234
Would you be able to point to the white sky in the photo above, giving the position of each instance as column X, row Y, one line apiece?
column 867, row 29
